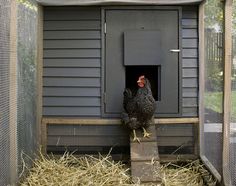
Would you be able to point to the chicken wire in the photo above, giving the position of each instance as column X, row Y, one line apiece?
column 211, row 133
column 26, row 71
column 232, row 128
column 4, row 91
column 21, row 108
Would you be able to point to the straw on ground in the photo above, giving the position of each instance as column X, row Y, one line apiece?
column 69, row 170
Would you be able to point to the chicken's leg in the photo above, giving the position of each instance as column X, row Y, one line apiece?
column 145, row 133
column 135, row 136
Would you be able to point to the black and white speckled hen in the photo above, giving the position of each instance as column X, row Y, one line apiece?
column 139, row 108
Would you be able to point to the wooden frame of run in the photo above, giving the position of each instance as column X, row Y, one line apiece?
column 226, row 92
column 39, row 73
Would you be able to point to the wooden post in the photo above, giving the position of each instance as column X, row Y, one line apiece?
column 227, row 90
column 13, row 93
column 44, row 136
column 201, row 77
column 39, row 73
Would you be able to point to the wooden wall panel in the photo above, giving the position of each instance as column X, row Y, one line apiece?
column 72, row 64
column 190, row 62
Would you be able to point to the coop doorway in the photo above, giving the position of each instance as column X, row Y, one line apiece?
column 153, row 73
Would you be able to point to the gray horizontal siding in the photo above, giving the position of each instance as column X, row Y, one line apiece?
column 71, row 72
column 71, row 91
column 88, row 141
column 71, row 101
column 72, row 62
column 72, row 53
column 70, row 44
column 176, row 139
column 178, row 136
column 71, row 13
column 89, row 62
column 71, row 35
column 83, row 135
column 190, row 62
column 190, row 92
column 71, row 82
column 64, row 111
column 72, row 25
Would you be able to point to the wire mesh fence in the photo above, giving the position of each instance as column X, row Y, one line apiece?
column 221, row 160
column 4, row 91
column 232, row 128
column 18, row 54
column 26, row 77
column 212, row 142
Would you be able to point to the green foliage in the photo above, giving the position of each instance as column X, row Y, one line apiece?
column 214, row 48
column 214, row 101
column 28, row 4
column 214, row 14
column 214, row 76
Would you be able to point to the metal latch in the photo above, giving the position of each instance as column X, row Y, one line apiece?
column 175, row 50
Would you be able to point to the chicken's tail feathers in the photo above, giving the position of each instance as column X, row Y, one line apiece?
column 128, row 96
column 148, row 85
column 124, row 118
column 128, row 93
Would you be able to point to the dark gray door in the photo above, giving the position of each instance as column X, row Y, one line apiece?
column 166, row 23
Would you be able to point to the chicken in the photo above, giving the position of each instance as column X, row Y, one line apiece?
column 139, row 108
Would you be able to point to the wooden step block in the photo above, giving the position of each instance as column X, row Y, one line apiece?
column 139, row 134
column 144, row 151
column 145, row 166
column 145, row 171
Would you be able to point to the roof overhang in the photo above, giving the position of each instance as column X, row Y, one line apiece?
column 116, row 2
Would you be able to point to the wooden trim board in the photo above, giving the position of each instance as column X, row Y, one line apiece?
column 80, row 121
column 227, row 91
column 39, row 72
column 201, row 76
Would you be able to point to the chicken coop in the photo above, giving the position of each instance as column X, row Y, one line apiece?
column 65, row 64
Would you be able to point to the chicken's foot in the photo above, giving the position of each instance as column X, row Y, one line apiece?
column 145, row 133
column 135, row 136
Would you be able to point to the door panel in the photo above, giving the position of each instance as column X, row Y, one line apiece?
column 166, row 23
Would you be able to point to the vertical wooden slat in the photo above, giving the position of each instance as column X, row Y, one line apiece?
column 227, row 90
column 201, row 76
column 44, row 136
column 13, row 93
column 103, row 37
column 39, row 72
column 196, row 139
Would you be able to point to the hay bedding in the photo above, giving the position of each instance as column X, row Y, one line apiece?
column 69, row 170
column 190, row 174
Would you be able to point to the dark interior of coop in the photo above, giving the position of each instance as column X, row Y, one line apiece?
column 151, row 72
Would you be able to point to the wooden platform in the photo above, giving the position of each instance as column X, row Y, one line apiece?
column 145, row 161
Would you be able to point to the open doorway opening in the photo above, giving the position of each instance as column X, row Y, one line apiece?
column 153, row 73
